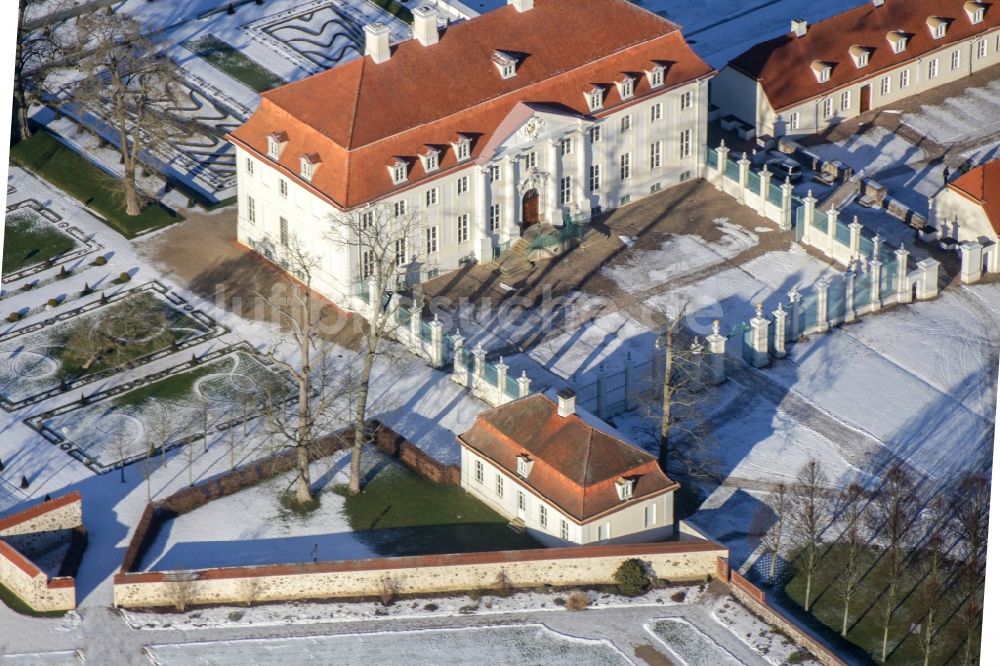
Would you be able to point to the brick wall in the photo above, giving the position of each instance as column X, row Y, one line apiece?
column 580, row 565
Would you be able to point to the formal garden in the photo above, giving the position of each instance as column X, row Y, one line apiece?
column 94, row 341
column 233, row 63
column 31, row 240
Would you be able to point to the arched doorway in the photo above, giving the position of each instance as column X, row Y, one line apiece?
column 529, row 209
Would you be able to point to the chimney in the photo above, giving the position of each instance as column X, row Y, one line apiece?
column 425, row 25
column 522, row 5
column 799, row 27
column 377, row 42
column 567, row 402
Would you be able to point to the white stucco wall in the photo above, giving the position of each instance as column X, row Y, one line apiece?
column 957, row 216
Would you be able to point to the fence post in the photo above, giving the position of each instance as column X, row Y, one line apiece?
column 479, row 357
column 717, row 351
column 809, row 203
column 822, row 304
column 723, row 156
column 524, row 385
column 628, row 380
column 849, row 314
column 972, row 262
column 903, row 292
column 418, row 307
column 875, row 268
column 501, row 382
column 927, row 284
column 785, row 223
column 437, row 343
column 602, row 400
column 765, row 188
column 744, row 165
column 831, row 229
column 458, row 368
column 759, row 325
column 780, row 318
column 855, row 227
column 793, row 304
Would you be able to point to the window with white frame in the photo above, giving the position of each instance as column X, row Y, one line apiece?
column 531, row 160
column 862, row 59
column 499, row 486
column 399, row 208
column 462, row 149
column 655, row 112
column 564, row 530
column 462, row 184
column 306, row 168
column 566, row 146
column 565, row 190
column 595, row 134
column 399, row 173
column 494, row 173
column 283, row 188
column 400, row 252
column 522, row 466
column 793, row 120
column 655, row 153
column 543, row 515
column 625, row 172
column 595, row 99
column 980, row 50
column 649, row 517
column 431, row 160
column 898, row 42
column 685, row 143
column 595, row 177
column 283, row 231
column 656, row 77
column 432, row 239
column 885, row 86
column 625, row 200
column 508, row 70
column 367, row 264
column 479, row 471
column 904, row 79
column 827, row 107
column 431, row 197
column 628, row 88
column 932, row 68
column 845, row 100
column 687, row 98
column 522, row 501
column 249, row 166
column 462, row 228
column 977, row 14
column 823, row 74
column 495, row 217
column 940, row 29
column 626, row 123
column 367, row 219
column 274, row 145
column 956, row 59
column 602, row 532
column 251, row 210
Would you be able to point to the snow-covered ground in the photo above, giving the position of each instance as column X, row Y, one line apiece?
column 971, row 115
column 774, row 647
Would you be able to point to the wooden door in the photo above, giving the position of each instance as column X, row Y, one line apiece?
column 866, row 98
column 529, row 209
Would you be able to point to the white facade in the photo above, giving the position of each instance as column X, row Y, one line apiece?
column 514, row 498
column 476, row 210
column 957, row 216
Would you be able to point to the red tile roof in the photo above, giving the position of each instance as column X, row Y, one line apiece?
column 982, row 185
column 574, row 464
column 782, row 65
column 359, row 115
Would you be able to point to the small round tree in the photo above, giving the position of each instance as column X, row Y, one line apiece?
column 632, row 578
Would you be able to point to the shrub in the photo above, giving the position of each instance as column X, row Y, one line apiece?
column 678, row 597
column 799, row 656
column 235, row 616
column 559, row 601
column 63, row 273
column 100, row 260
column 504, row 584
column 388, row 589
column 577, row 601
column 430, row 607
column 52, row 302
column 13, row 317
column 632, row 578
column 26, row 286
column 475, row 595
column 123, row 278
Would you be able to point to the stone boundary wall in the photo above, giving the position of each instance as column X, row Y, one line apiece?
column 19, row 574
column 578, row 565
column 754, row 598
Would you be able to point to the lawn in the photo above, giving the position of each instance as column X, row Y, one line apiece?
column 396, row 9
column 401, row 513
column 46, row 156
column 29, row 239
column 865, row 629
column 235, row 64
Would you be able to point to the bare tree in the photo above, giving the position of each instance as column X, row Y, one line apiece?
column 112, row 335
column 852, row 539
column 251, row 590
column 121, row 447
column 774, row 537
column 932, row 587
column 809, row 510
column 971, row 512
column 382, row 239
column 159, row 429
column 132, row 83
column 180, row 589
column 895, row 512
column 37, row 51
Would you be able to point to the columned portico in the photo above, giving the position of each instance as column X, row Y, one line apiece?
column 511, row 206
column 553, row 164
column 582, row 193
column 484, row 248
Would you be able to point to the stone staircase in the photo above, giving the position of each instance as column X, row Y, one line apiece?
column 512, row 262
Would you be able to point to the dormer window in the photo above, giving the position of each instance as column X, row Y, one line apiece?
column 595, row 99
column 655, row 76
column 937, row 25
column 275, row 144
column 307, row 166
column 626, row 87
column 463, row 148
column 897, row 40
column 398, row 171
column 524, row 463
column 625, row 488
column 431, row 160
column 821, row 70
column 505, row 64
column 975, row 11
column 860, row 55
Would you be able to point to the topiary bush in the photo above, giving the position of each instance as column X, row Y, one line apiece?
column 123, row 278
column 53, row 302
column 632, row 578
column 13, row 317
column 100, row 260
